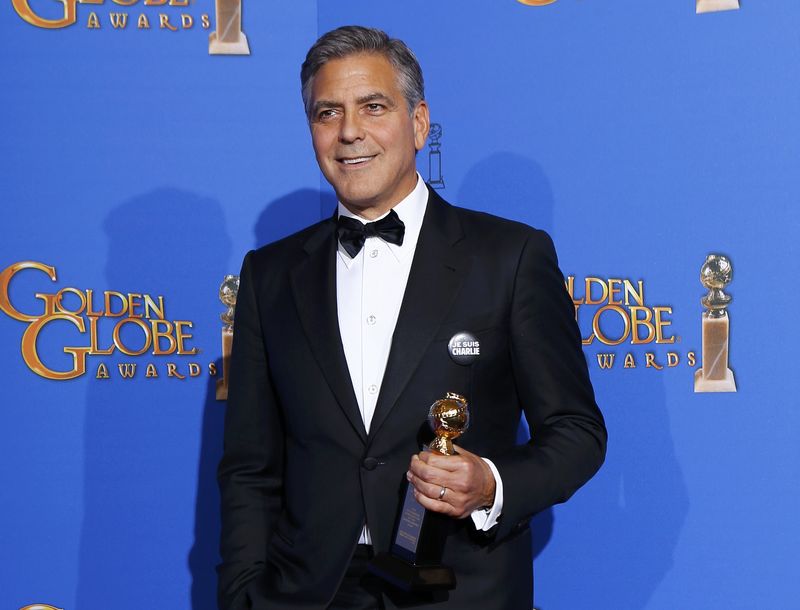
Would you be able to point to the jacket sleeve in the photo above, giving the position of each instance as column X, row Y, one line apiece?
column 568, row 435
column 250, row 474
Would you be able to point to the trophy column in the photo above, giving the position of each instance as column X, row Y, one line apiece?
column 228, row 38
column 227, row 294
column 715, row 376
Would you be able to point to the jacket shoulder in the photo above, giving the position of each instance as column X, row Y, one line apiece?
column 499, row 231
column 477, row 223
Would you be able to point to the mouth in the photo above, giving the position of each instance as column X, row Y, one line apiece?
column 355, row 161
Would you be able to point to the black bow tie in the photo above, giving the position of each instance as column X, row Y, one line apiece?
column 353, row 233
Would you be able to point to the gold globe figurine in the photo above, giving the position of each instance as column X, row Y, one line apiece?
column 715, row 274
column 448, row 418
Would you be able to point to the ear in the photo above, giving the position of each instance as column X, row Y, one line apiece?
column 422, row 124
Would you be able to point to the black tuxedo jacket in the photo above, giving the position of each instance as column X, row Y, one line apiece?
column 300, row 475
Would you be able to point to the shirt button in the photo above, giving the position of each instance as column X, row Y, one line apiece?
column 373, row 389
column 371, row 320
column 373, row 253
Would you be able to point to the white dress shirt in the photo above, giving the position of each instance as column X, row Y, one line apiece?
column 369, row 292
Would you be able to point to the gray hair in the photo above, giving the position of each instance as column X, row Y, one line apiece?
column 354, row 39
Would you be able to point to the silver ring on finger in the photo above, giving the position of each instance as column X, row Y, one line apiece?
column 442, row 492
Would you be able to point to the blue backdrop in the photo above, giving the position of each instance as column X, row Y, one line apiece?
column 640, row 135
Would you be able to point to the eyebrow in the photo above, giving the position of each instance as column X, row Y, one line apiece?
column 364, row 99
column 373, row 97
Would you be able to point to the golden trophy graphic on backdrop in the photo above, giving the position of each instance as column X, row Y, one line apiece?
column 713, row 6
column 227, row 294
column 228, row 38
column 715, row 376
column 536, row 2
column 414, row 562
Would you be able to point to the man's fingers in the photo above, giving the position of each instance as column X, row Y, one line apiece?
column 432, row 480
column 429, row 479
column 445, row 462
column 431, row 490
column 441, row 506
column 428, row 472
column 463, row 475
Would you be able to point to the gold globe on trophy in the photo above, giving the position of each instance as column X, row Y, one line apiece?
column 448, row 418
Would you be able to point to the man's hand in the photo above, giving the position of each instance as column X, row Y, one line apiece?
column 466, row 478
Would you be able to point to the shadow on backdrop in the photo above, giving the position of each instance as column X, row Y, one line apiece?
column 291, row 213
column 638, row 503
column 280, row 218
column 514, row 187
column 140, row 434
column 511, row 186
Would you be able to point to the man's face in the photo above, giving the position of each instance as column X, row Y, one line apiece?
column 364, row 137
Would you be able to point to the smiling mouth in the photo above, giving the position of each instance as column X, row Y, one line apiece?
column 355, row 161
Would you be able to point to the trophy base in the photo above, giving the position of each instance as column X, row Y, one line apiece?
column 712, row 6
column 222, row 390
column 409, row 577
column 218, row 47
column 701, row 384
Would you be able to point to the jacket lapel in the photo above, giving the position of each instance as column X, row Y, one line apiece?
column 437, row 271
column 314, row 291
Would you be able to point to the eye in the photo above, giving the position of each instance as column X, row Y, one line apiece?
column 326, row 115
column 375, row 108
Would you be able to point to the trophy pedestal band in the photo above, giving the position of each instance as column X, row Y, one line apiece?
column 410, row 577
column 237, row 47
column 726, row 384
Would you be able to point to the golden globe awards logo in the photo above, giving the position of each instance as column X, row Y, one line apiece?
column 166, row 15
column 139, row 327
column 613, row 311
column 117, row 18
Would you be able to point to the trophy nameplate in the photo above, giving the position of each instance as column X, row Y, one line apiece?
column 715, row 376
column 414, row 561
column 228, row 292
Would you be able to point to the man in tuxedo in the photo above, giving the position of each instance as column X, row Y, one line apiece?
column 341, row 344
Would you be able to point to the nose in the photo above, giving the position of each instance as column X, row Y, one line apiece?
column 350, row 128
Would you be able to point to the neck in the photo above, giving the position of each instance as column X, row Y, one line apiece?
column 369, row 213
column 372, row 212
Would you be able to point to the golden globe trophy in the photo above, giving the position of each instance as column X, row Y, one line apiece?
column 414, row 562
column 715, row 376
column 228, row 291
